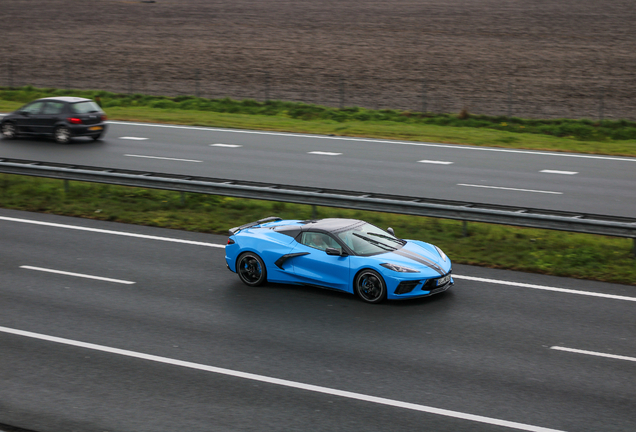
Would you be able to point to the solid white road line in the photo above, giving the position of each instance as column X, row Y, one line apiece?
column 545, row 288
column 226, row 145
column 134, row 138
column 593, row 353
column 78, row 275
column 222, row 246
column 435, row 162
column 408, row 143
column 559, row 172
column 324, row 153
column 281, row 382
column 120, row 233
column 164, row 158
column 510, row 189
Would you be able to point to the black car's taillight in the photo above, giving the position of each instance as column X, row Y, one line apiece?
column 74, row 120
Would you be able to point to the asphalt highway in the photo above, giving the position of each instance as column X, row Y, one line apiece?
column 112, row 327
column 545, row 180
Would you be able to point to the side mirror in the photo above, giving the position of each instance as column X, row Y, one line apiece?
column 334, row 251
column 390, row 231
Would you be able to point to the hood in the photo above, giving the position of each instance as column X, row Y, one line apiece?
column 418, row 256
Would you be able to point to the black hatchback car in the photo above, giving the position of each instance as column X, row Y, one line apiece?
column 62, row 118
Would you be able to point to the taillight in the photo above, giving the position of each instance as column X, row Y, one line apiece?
column 74, row 120
column 230, row 241
column 104, row 118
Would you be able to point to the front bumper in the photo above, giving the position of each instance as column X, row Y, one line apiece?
column 415, row 288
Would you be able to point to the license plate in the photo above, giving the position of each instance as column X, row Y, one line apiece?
column 95, row 128
column 443, row 280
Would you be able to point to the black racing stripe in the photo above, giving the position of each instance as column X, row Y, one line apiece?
column 420, row 259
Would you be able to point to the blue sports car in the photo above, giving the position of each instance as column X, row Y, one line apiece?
column 343, row 254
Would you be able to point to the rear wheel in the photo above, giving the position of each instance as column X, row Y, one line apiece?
column 251, row 269
column 370, row 286
column 97, row 137
column 62, row 134
column 8, row 130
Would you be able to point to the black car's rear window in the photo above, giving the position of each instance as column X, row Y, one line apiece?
column 85, row 107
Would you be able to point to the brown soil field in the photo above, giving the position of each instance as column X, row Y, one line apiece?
column 528, row 58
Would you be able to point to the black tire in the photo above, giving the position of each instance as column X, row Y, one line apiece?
column 62, row 134
column 251, row 269
column 9, row 131
column 97, row 137
column 370, row 286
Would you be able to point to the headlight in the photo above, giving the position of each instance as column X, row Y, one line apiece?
column 442, row 254
column 398, row 268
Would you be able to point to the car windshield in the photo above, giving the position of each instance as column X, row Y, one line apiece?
column 85, row 107
column 366, row 239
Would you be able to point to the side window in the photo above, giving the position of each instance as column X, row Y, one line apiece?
column 33, row 108
column 318, row 241
column 52, row 108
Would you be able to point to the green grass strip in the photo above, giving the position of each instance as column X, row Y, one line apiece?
column 609, row 137
column 556, row 253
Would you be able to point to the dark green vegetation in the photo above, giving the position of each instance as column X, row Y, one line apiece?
column 532, row 250
column 616, row 137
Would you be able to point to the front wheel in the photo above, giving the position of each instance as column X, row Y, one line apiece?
column 62, row 134
column 251, row 269
column 370, row 286
column 8, row 130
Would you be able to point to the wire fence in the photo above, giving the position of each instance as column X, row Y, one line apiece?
column 521, row 96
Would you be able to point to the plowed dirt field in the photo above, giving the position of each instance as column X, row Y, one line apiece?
column 532, row 58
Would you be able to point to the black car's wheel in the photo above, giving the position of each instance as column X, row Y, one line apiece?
column 9, row 130
column 251, row 269
column 97, row 137
column 370, row 286
column 62, row 134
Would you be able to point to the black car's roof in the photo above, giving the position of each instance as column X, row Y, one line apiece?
column 69, row 99
column 331, row 225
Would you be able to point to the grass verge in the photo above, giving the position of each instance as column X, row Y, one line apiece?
column 610, row 137
column 532, row 250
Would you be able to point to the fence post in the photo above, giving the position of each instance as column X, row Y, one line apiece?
column 342, row 92
column 67, row 81
column 267, row 79
column 509, row 100
column 10, row 73
column 196, row 83
column 424, row 105
column 601, row 105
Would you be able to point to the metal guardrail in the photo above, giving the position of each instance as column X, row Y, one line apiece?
column 445, row 209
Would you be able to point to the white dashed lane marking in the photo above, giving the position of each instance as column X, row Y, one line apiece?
column 164, row 158
column 510, row 189
column 436, row 162
column 77, row 275
column 134, row 138
column 559, row 172
column 226, row 145
column 324, row 153
column 593, row 353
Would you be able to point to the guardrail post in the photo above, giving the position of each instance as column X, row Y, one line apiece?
column 314, row 212
column 267, row 79
column 342, row 92
column 464, row 229
column 65, row 186
column 634, row 247
column 182, row 198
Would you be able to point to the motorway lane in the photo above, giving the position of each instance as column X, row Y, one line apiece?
column 481, row 349
column 580, row 183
